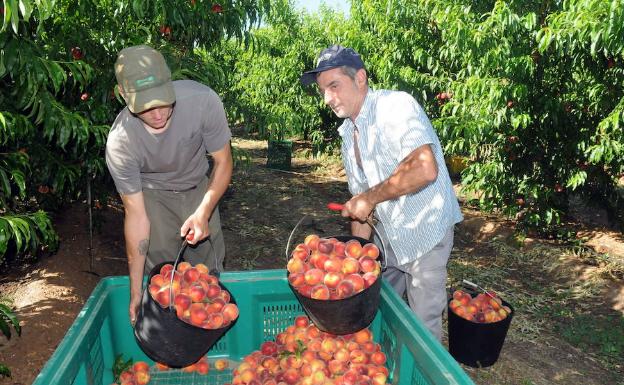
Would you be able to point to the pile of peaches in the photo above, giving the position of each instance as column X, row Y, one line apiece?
column 328, row 269
column 198, row 298
column 139, row 373
column 303, row 354
column 483, row 308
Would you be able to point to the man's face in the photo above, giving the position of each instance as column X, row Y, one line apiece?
column 342, row 94
column 156, row 117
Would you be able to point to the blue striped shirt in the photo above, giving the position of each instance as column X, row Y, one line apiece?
column 391, row 125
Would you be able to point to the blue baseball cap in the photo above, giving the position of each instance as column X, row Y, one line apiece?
column 333, row 57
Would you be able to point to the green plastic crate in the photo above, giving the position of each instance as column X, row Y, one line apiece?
column 267, row 306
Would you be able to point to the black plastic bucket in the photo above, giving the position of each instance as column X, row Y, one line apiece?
column 347, row 315
column 477, row 344
column 167, row 339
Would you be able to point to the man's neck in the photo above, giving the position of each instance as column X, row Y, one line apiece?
column 361, row 104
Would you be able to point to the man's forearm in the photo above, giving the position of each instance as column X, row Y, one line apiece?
column 414, row 173
column 136, row 249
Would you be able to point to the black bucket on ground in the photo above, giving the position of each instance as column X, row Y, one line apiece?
column 167, row 339
column 477, row 344
column 347, row 315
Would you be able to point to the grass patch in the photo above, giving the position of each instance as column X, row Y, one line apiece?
column 603, row 334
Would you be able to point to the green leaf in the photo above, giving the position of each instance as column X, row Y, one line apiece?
column 26, row 8
column 14, row 15
column 8, row 314
column 5, row 371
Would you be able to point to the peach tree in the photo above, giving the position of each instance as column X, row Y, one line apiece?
column 531, row 93
column 57, row 97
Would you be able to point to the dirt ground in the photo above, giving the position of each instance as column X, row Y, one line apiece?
column 259, row 212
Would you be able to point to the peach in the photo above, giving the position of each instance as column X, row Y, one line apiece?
column 153, row 290
column 301, row 251
column 357, row 281
column 313, row 332
column 339, row 249
column 305, row 290
column 164, row 297
column 182, row 301
column 221, row 364
column 358, row 356
column 362, row 336
column 213, row 291
column 491, row 316
column 320, row 291
column 247, row 376
column 379, row 379
column 454, row 304
column 166, row 269
column 302, row 321
column 367, row 264
column 296, row 279
column 369, row 347
column 158, row 279
column 314, row 277
column 183, row 266
column 328, row 345
column 325, row 246
column 350, row 265
column 314, row 345
column 318, row 260
column 369, row 279
column 161, row 367
column 345, row 289
column 378, row 358
column 332, row 279
column 140, row 366
column 370, row 250
column 312, row 241
column 212, row 280
column 225, row 296
column 333, row 264
column 230, row 311
column 196, row 293
column 126, row 376
column 291, row 376
column 353, row 249
column 191, row 275
column 198, row 316
column 342, row 354
column 496, row 303
column 295, row 265
column 215, row 306
column 202, row 367
column 214, row 321
column 268, row 348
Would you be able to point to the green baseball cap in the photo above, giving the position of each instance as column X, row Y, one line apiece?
column 144, row 77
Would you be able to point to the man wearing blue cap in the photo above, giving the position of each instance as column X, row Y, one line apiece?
column 395, row 169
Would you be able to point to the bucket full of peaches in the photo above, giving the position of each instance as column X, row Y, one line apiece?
column 184, row 311
column 337, row 280
column 477, row 325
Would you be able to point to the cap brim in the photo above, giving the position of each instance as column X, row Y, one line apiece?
column 309, row 77
column 159, row 96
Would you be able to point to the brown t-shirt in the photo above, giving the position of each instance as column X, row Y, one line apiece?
column 176, row 158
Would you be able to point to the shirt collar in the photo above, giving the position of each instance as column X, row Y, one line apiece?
column 361, row 121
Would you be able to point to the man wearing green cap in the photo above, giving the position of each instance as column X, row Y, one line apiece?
column 156, row 153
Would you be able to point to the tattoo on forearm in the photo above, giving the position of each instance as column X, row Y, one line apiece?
column 143, row 245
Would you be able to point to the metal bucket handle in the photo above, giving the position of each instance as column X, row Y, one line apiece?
column 336, row 206
column 187, row 237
